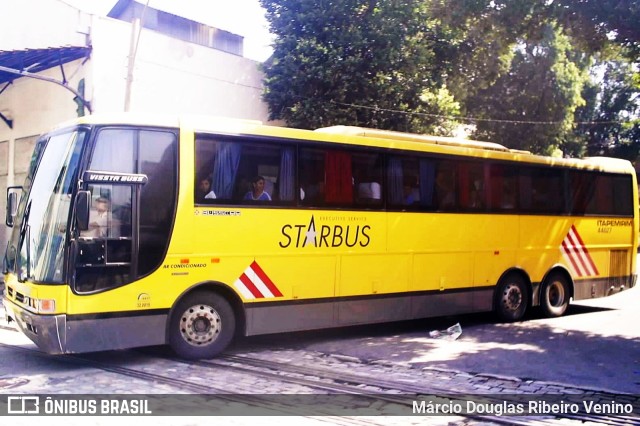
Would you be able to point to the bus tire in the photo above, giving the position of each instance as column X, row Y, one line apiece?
column 554, row 295
column 202, row 326
column 511, row 298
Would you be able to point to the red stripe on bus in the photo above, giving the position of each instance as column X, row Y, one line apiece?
column 584, row 248
column 567, row 251
column 251, row 287
column 579, row 254
column 265, row 279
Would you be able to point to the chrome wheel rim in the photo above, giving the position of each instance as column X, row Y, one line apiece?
column 556, row 294
column 512, row 297
column 200, row 325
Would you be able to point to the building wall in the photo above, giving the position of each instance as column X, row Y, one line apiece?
column 41, row 23
column 170, row 76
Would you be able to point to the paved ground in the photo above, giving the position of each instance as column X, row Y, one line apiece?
column 594, row 348
column 595, row 345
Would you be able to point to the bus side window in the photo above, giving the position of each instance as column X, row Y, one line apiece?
column 541, row 190
column 622, row 195
column 503, row 187
column 265, row 174
column 445, row 190
column 205, row 150
column 594, row 193
column 367, row 178
column 582, row 187
column 232, row 165
column 472, row 188
column 338, row 177
column 311, row 172
column 403, row 182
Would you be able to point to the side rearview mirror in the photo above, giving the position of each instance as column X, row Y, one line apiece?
column 83, row 205
column 12, row 204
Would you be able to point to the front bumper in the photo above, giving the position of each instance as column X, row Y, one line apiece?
column 46, row 331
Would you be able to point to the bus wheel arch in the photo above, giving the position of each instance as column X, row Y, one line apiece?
column 512, row 295
column 204, row 320
column 556, row 292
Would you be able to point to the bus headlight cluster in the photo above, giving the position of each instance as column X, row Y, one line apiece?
column 42, row 306
column 46, row 305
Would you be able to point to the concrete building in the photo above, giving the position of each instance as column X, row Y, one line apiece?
column 58, row 62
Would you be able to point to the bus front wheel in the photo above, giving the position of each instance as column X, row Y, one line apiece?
column 554, row 295
column 202, row 326
column 511, row 298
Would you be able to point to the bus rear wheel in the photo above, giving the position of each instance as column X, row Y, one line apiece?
column 511, row 298
column 554, row 296
column 201, row 326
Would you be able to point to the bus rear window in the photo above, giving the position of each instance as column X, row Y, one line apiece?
column 599, row 194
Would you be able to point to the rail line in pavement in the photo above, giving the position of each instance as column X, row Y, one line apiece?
column 311, row 378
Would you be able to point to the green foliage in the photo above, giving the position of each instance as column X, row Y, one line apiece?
column 520, row 67
column 494, row 85
column 533, row 104
column 612, row 127
column 364, row 63
column 484, row 35
column 599, row 23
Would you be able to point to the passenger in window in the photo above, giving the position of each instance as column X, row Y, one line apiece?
column 476, row 196
column 205, row 191
column 508, row 197
column 445, row 190
column 410, row 191
column 311, row 192
column 369, row 190
column 258, row 193
column 98, row 219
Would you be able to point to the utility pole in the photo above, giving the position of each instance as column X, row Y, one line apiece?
column 133, row 48
column 136, row 30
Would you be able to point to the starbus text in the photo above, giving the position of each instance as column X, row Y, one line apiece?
column 326, row 236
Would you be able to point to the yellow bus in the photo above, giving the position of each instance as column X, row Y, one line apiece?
column 132, row 232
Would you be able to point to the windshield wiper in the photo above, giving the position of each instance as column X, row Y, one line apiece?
column 24, row 231
column 28, row 240
column 5, row 259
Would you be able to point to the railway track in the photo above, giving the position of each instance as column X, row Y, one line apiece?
column 220, row 377
column 391, row 391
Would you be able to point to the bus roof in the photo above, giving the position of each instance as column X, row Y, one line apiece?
column 126, row 118
column 347, row 134
column 399, row 136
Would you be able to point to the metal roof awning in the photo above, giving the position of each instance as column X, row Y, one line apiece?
column 36, row 60
column 15, row 64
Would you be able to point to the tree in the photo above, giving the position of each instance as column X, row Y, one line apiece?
column 597, row 23
column 482, row 36
column 611, row 115
column 490, row 73
column 369, row 63
column 532, row 106
column 519, row 67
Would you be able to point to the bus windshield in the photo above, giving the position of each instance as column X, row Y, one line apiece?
column 35, row 250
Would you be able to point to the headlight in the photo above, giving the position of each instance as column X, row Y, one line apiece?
column 46, row 306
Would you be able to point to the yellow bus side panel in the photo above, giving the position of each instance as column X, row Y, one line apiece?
column 374, row 274
column 591, row 246
column 454, row 251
